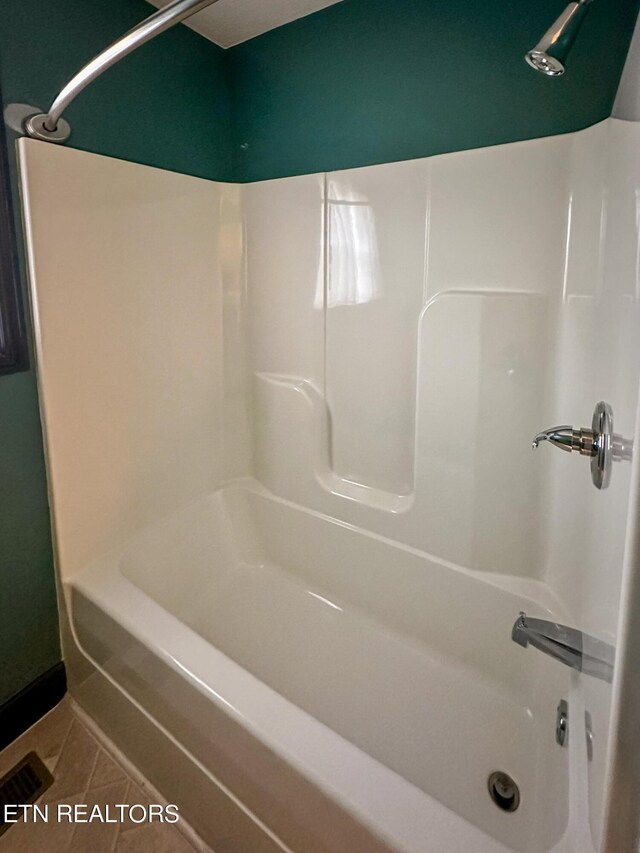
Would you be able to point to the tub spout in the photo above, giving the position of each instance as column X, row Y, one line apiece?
column 568, row 645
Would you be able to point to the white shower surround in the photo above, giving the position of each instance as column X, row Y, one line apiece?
column 238, row 370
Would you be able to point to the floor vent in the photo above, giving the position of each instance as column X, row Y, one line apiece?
column 22, row 785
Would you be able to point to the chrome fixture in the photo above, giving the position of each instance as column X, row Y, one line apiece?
column 562, row 723
column 568, row 645
column 600, row 443
column 549, row 55
column 51, row 126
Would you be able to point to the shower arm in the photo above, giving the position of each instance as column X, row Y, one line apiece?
column 51, row 126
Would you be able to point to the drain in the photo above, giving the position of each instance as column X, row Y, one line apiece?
column 504, row 791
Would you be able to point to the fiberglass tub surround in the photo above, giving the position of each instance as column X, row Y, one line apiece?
column 298, row 520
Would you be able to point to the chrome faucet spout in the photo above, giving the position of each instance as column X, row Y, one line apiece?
column 560, row 436
column 568, row 645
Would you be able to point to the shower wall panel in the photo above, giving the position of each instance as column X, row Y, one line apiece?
column 131, row 272
column 285, row 245
column 598, row 358
column 497, row 218
column 376, row 230
column 418, row 343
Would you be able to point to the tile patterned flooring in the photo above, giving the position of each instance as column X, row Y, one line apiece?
column 85, row 772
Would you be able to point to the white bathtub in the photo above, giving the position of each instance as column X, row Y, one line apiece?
column 352, row 693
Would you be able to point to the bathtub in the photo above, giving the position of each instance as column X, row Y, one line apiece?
column 349, row 692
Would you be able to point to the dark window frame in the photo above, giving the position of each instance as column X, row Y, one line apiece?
column 13, row 335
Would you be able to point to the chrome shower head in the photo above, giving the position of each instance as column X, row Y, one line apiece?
column 549, row 55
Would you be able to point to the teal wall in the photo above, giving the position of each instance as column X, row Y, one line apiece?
column 176, row 115
column 371, row 81
column 28, row 616
column 365, row 81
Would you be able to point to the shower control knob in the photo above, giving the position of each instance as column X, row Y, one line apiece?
column 600, row 443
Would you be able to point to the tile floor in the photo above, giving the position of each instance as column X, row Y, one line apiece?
column 85, row 772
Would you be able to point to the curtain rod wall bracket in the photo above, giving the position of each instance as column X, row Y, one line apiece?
column 50, row 126
column 34, row 126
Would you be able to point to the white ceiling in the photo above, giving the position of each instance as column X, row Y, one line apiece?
column 230, row 22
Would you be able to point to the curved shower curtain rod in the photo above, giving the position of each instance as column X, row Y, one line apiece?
column 51, row 126
column 547, row 57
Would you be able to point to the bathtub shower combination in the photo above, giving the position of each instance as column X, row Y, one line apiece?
column 297, row 513
column 312, row 578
